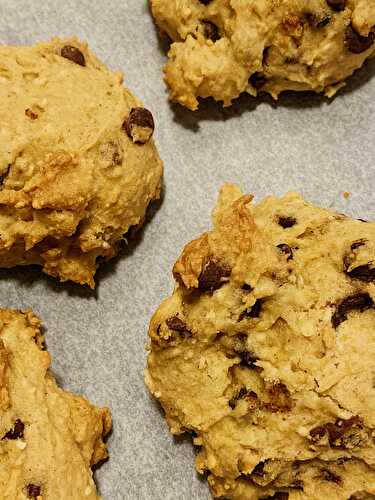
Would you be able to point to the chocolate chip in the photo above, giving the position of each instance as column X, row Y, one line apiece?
column 357, row 43
column 33, row 491
column 16, row 432
column 253, row 311
column 210, row 31
column 246, row 288
column 363, row 273
column 341, row 434
column 4, row 175
column 205, row 2
column 73, row 54
column 259, row 470
column 258, row 80
column 248, row 359
column 139, row 125
column 279, row 495
column 213, row 276
column 286, row 222
column 250, row 397
column 357, row 244
column 177, row 325
column 359, row 302
column 242, row 392
column 317, row 21
column 337, row 5
column 30, row 114
column 284, row 248
column 327, row 475
column 318, row 433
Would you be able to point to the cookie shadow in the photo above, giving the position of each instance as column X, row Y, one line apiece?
column 211, row 110
column 27, row 277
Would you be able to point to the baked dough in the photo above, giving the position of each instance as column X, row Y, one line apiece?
column 265, row 352
column 78, row 167
column 225, row 47
column 49, row 438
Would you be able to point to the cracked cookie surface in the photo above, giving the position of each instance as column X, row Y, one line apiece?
column 78, row 166
column 225, row 47
column 265, row 352
column 49, row 438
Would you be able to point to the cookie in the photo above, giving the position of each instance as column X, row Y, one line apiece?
column 78, row 165
column 265, row 352
column 49, row 438
column 223, row 48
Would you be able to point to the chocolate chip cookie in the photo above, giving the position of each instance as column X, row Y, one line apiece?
column 223, row 48
column 49, row 438
column 265, row 352
column 78, row 166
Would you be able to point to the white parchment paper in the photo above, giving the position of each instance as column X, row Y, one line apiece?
column 303, row 143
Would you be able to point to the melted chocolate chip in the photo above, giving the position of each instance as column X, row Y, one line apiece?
column 33, row 491
column 250, row 396
column 337, row 5
column 205, row 2
column 327, row 475
column 363, row 273
column 16, row 432
column 284, row 248
column 359, row 302
column 139, row 118
column 242, row 393
column 341, row 434
column 286, row 222
column 213, row 276
column 210, row 31
column 252, row 312
column 258, row 80
column 73, row 54
column 318, row 433
column 279, row 398
column 176, row 324
column 357, row 43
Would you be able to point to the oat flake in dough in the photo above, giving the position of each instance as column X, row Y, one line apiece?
column 225, row 47
column 265, row 352
column 78, row 166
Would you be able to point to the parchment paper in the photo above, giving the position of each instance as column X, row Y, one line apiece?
column 97, row 340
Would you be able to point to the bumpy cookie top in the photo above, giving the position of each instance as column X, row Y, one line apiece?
column 225, row 47
column 49, row 438
column 78, row 166
column 266, row 351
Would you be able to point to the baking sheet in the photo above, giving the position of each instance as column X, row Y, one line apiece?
column 97, row 339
